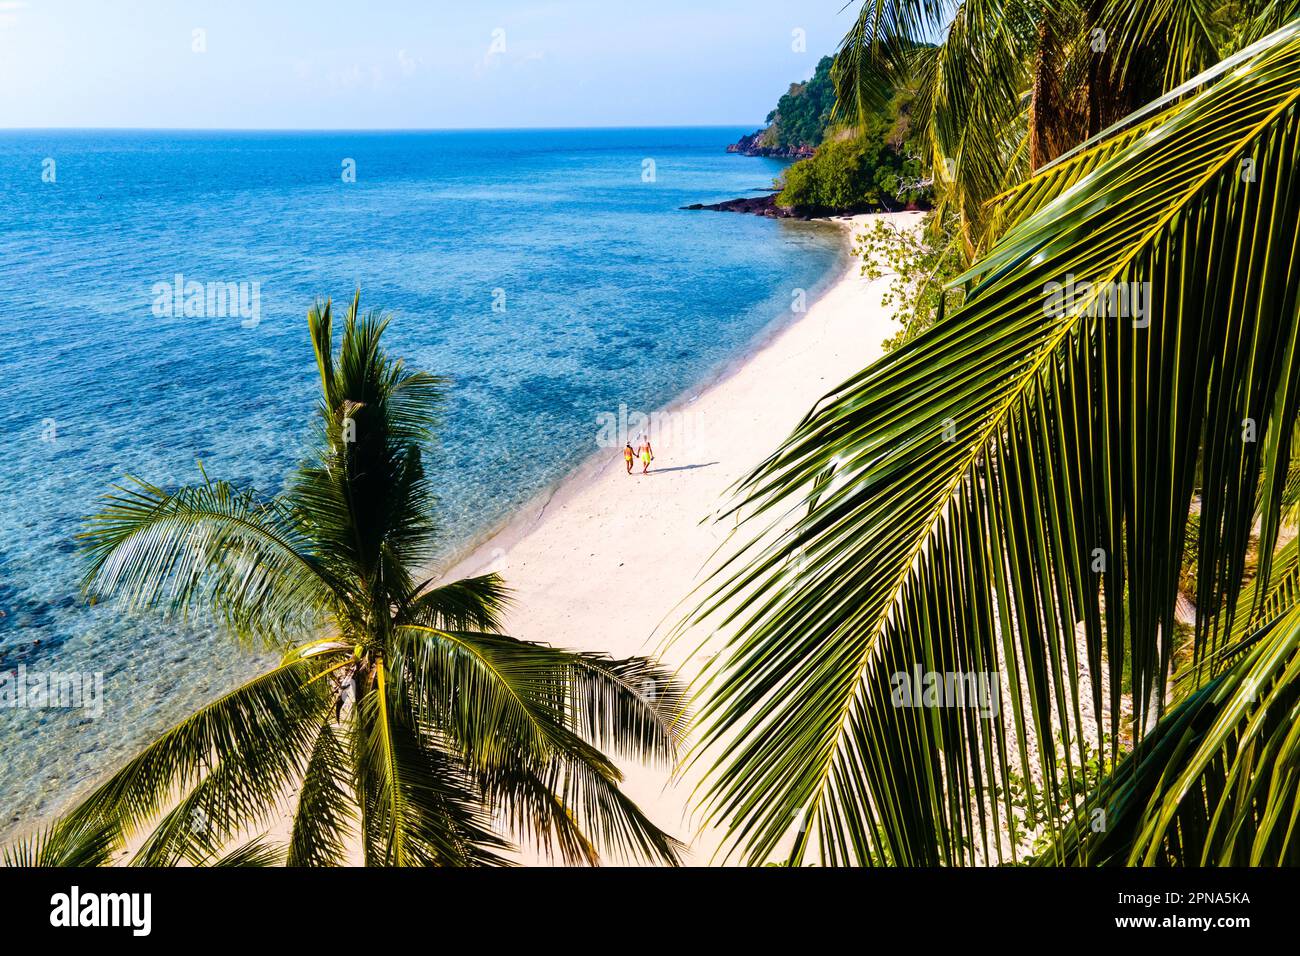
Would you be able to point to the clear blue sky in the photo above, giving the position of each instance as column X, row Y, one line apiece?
column 333, row 64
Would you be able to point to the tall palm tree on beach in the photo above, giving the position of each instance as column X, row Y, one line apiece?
column 1009, row 494
column 400, row 720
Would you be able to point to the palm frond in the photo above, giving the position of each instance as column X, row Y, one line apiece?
column 1179, row 35
column 1016, row 203
column 66, row 843
column 531, row 807
column 419, row 807
column 322, row 822
column 209, row 551
column 978, row 117
column 365, row 494
column 242, row 752
column 1009, row 498
column 970, row 89
column 1218, row 780
column 633, row 706
column 468, row 604
column 528, row 718
column 501, row 695
column 580, row 785
column 875, row 55
column 254, row 853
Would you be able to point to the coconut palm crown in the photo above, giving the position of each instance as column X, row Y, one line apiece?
column 401, row 726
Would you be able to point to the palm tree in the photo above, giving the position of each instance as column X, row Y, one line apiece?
column 400, row 719
column 1005, row 86
column 1008, row 494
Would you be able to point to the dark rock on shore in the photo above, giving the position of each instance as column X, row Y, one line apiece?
column 755, row 205
column 750, row 146
column 766, row 206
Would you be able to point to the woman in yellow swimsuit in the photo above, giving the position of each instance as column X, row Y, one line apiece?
column 628, row 455
column 647, row 456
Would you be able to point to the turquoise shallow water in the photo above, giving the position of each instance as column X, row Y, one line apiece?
column 612, row 295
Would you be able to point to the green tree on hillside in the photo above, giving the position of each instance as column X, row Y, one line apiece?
column 803, row 113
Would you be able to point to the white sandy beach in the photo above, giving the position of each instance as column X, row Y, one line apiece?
column 604, row 562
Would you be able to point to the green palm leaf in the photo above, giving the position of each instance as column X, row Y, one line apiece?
column 88, row 843
column 208, row 551
column 469, row 604
column 241, row 752
column 322, row 824
column 1031, row 194
column 527, row 720
column 970, row 88
column 1008, row 495
column 255, row 853
column 1218, row 780
column 498, row 691
column 418, row 807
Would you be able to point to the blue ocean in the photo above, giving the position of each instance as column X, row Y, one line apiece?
column 551, row 274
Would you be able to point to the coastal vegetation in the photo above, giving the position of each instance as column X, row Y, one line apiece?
column 401, row 726
column 799, row 122
column 919, row 266
column 867, row 164
column 803, row 114
column 871, row 165
column 1106, row 365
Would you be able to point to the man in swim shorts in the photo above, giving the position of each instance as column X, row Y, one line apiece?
column 647, row 455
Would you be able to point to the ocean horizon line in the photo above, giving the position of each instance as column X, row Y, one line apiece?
column 373, row 129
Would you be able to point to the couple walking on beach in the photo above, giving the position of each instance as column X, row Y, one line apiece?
column 643, row 452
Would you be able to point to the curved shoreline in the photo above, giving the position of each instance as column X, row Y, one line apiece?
column 605, row 561
column 478, row 549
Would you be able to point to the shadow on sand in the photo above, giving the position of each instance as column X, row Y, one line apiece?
column 664, row 471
